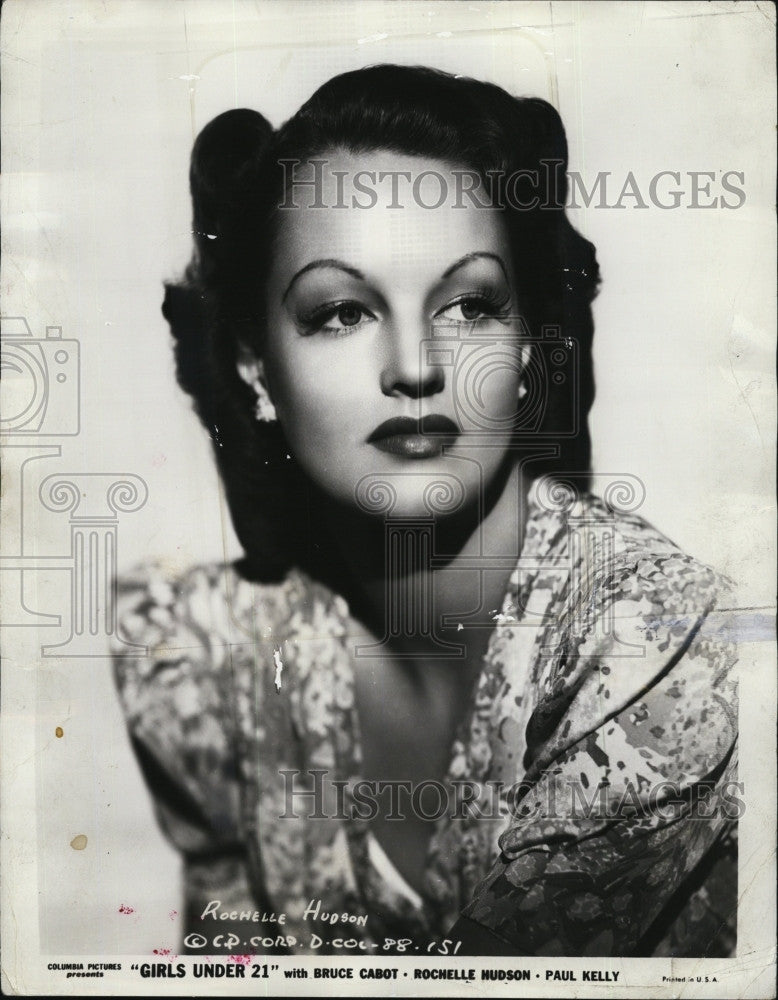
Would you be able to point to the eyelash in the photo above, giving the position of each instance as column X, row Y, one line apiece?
column 491, row 304
column 316, row 320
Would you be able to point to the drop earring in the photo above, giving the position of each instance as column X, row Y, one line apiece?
column 525, row 360
column 264, row 411
column 251, row 371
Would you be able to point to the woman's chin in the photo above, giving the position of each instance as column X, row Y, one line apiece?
column 448, row 483
column 414, row 489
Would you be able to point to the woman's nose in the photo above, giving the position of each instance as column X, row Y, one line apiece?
column 410, row 367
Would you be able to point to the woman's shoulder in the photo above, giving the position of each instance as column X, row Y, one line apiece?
column 179, row 632
column 611, row 549
column 643, row 638
column 673, row 588
column 173, row 667
column 203, row 622
column 655, row 598
column 207, row 603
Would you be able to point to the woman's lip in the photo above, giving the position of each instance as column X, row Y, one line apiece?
column 434, row 424
column 413, row 445
column 414, row 438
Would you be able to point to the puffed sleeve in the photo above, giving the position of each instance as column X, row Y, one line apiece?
column 176, row 705
column 630, row 767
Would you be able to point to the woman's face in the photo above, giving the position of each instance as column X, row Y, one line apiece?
column 393, row 350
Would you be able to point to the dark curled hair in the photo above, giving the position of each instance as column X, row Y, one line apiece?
column 237, row 184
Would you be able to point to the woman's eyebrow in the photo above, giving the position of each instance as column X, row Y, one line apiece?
column 329, row 262
column 478, row 255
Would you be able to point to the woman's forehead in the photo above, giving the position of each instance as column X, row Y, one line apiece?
column 385, row 210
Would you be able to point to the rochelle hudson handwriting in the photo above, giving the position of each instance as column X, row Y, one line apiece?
column 313, row 911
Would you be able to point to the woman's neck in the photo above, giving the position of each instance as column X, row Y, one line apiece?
column 403, row 580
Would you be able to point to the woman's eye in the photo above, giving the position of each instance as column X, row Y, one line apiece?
column 337, row 319
column 349, row 314
column 471, row 309
column 474, row 307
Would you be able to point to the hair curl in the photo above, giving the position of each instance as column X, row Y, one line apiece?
column 216, row 310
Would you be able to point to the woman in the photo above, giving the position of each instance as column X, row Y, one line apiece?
column 439, row 694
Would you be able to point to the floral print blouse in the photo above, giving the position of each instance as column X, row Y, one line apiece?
column 598, row 754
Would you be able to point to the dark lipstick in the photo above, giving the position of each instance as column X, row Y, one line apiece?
column 413, row 438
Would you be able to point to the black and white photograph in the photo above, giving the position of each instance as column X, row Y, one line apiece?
column 389, row 526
